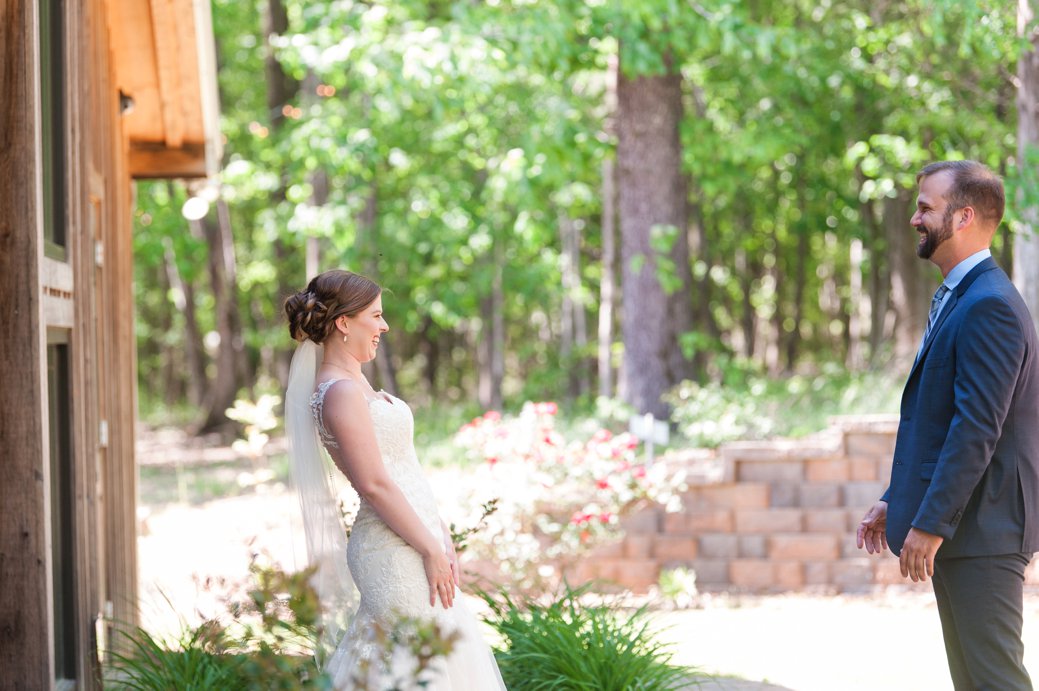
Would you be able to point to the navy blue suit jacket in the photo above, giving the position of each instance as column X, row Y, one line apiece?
column 966, row 462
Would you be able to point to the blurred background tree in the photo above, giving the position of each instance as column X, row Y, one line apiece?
column 575, row 198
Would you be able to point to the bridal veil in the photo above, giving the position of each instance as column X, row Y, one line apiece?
column 322, row 521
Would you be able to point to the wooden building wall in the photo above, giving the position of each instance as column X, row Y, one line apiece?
column 24, row 642
column 86, row 300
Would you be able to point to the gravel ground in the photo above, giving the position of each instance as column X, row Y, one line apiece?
column 797, row 642
column 813, row 643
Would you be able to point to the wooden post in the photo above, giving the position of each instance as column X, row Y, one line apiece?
column 1026, row 243
column 24, row 641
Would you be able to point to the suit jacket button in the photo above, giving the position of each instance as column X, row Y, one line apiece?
column 956, row 517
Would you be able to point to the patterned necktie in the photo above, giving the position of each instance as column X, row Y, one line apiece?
column 936, row 305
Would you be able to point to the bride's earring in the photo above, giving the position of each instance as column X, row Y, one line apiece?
column 346, row 338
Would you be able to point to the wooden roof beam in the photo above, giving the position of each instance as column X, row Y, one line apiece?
column 170, row 58
column 159, row 161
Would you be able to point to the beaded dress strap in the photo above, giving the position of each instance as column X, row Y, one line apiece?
column 317, row 406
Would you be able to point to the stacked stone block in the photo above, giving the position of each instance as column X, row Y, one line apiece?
column 767, row 517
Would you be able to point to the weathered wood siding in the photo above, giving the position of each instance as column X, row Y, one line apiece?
column 87, row 295
column 24, row 641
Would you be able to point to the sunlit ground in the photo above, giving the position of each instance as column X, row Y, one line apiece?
column 805, row 643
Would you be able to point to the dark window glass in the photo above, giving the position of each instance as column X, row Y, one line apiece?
column 61, row 505
column 52, row 99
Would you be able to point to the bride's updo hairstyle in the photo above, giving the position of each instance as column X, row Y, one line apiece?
column 312, row 312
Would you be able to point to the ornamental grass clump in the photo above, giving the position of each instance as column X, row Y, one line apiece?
column 568, row 645
column 188, row 661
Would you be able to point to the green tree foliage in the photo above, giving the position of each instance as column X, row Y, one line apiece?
column 438, row 146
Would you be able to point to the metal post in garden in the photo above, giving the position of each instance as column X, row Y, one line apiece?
column 649, row 430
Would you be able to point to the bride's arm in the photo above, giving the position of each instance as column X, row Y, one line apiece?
column 346, row 417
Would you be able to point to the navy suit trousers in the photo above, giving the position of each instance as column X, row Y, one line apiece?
column 979, row 602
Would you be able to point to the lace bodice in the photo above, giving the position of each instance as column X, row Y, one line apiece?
column 317, row 406
column 394, row 427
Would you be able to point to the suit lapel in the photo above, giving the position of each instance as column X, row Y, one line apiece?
column 985, row 265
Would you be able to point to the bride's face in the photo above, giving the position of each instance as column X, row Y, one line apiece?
column 365, row 329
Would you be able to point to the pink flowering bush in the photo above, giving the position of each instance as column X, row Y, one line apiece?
column 557, row 497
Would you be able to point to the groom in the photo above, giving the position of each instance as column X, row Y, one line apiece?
column 963, row 503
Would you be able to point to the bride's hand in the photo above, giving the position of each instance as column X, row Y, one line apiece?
column 441, row 579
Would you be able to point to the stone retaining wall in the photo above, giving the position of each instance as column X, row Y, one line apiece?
column 766, row 517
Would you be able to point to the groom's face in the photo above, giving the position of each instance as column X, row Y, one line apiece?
column 933, row 217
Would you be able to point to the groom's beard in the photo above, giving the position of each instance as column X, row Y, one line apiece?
column 932, row 237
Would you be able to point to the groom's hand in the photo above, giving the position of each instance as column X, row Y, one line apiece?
column 872, row 532
column 917, row 557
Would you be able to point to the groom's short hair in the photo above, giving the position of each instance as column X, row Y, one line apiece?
column 973, row 184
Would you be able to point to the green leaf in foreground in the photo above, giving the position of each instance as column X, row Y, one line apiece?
column 569, row 645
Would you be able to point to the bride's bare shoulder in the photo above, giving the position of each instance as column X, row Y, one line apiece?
column 344, row 392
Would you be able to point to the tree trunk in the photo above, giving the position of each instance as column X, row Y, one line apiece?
column 575, row 323
column 566, row 312
column 793, row 339
column 230, row 351
column 1026, row 242
column 912, row 278
column 281, row 88
column 606, row 285
column 381, row 370
column 429, row 347
column 879, row 282
column 703, row 294
column 652, row 198
column 491, row 347
column 699, row 246
column 773, row 340
column 747, row 272
column 498, row 319
column 184, row 301
column 386, row 373
column 855, row 358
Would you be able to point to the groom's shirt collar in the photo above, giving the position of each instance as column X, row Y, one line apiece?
column 960, row 271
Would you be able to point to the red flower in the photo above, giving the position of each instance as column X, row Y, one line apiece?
column 639, row 471
column 603, row 483
column 605, row 517
column 492, row 415
column 602, row 435
column 492, row 460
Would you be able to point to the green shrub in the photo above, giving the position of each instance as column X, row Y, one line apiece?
column 678, row 587
column 569, row 646
column 265, row 642
column 748, row 405
column 188, row 662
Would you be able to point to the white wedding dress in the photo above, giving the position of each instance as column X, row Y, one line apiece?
column 390, row 577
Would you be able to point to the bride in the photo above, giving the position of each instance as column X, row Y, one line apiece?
column 399, row 553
